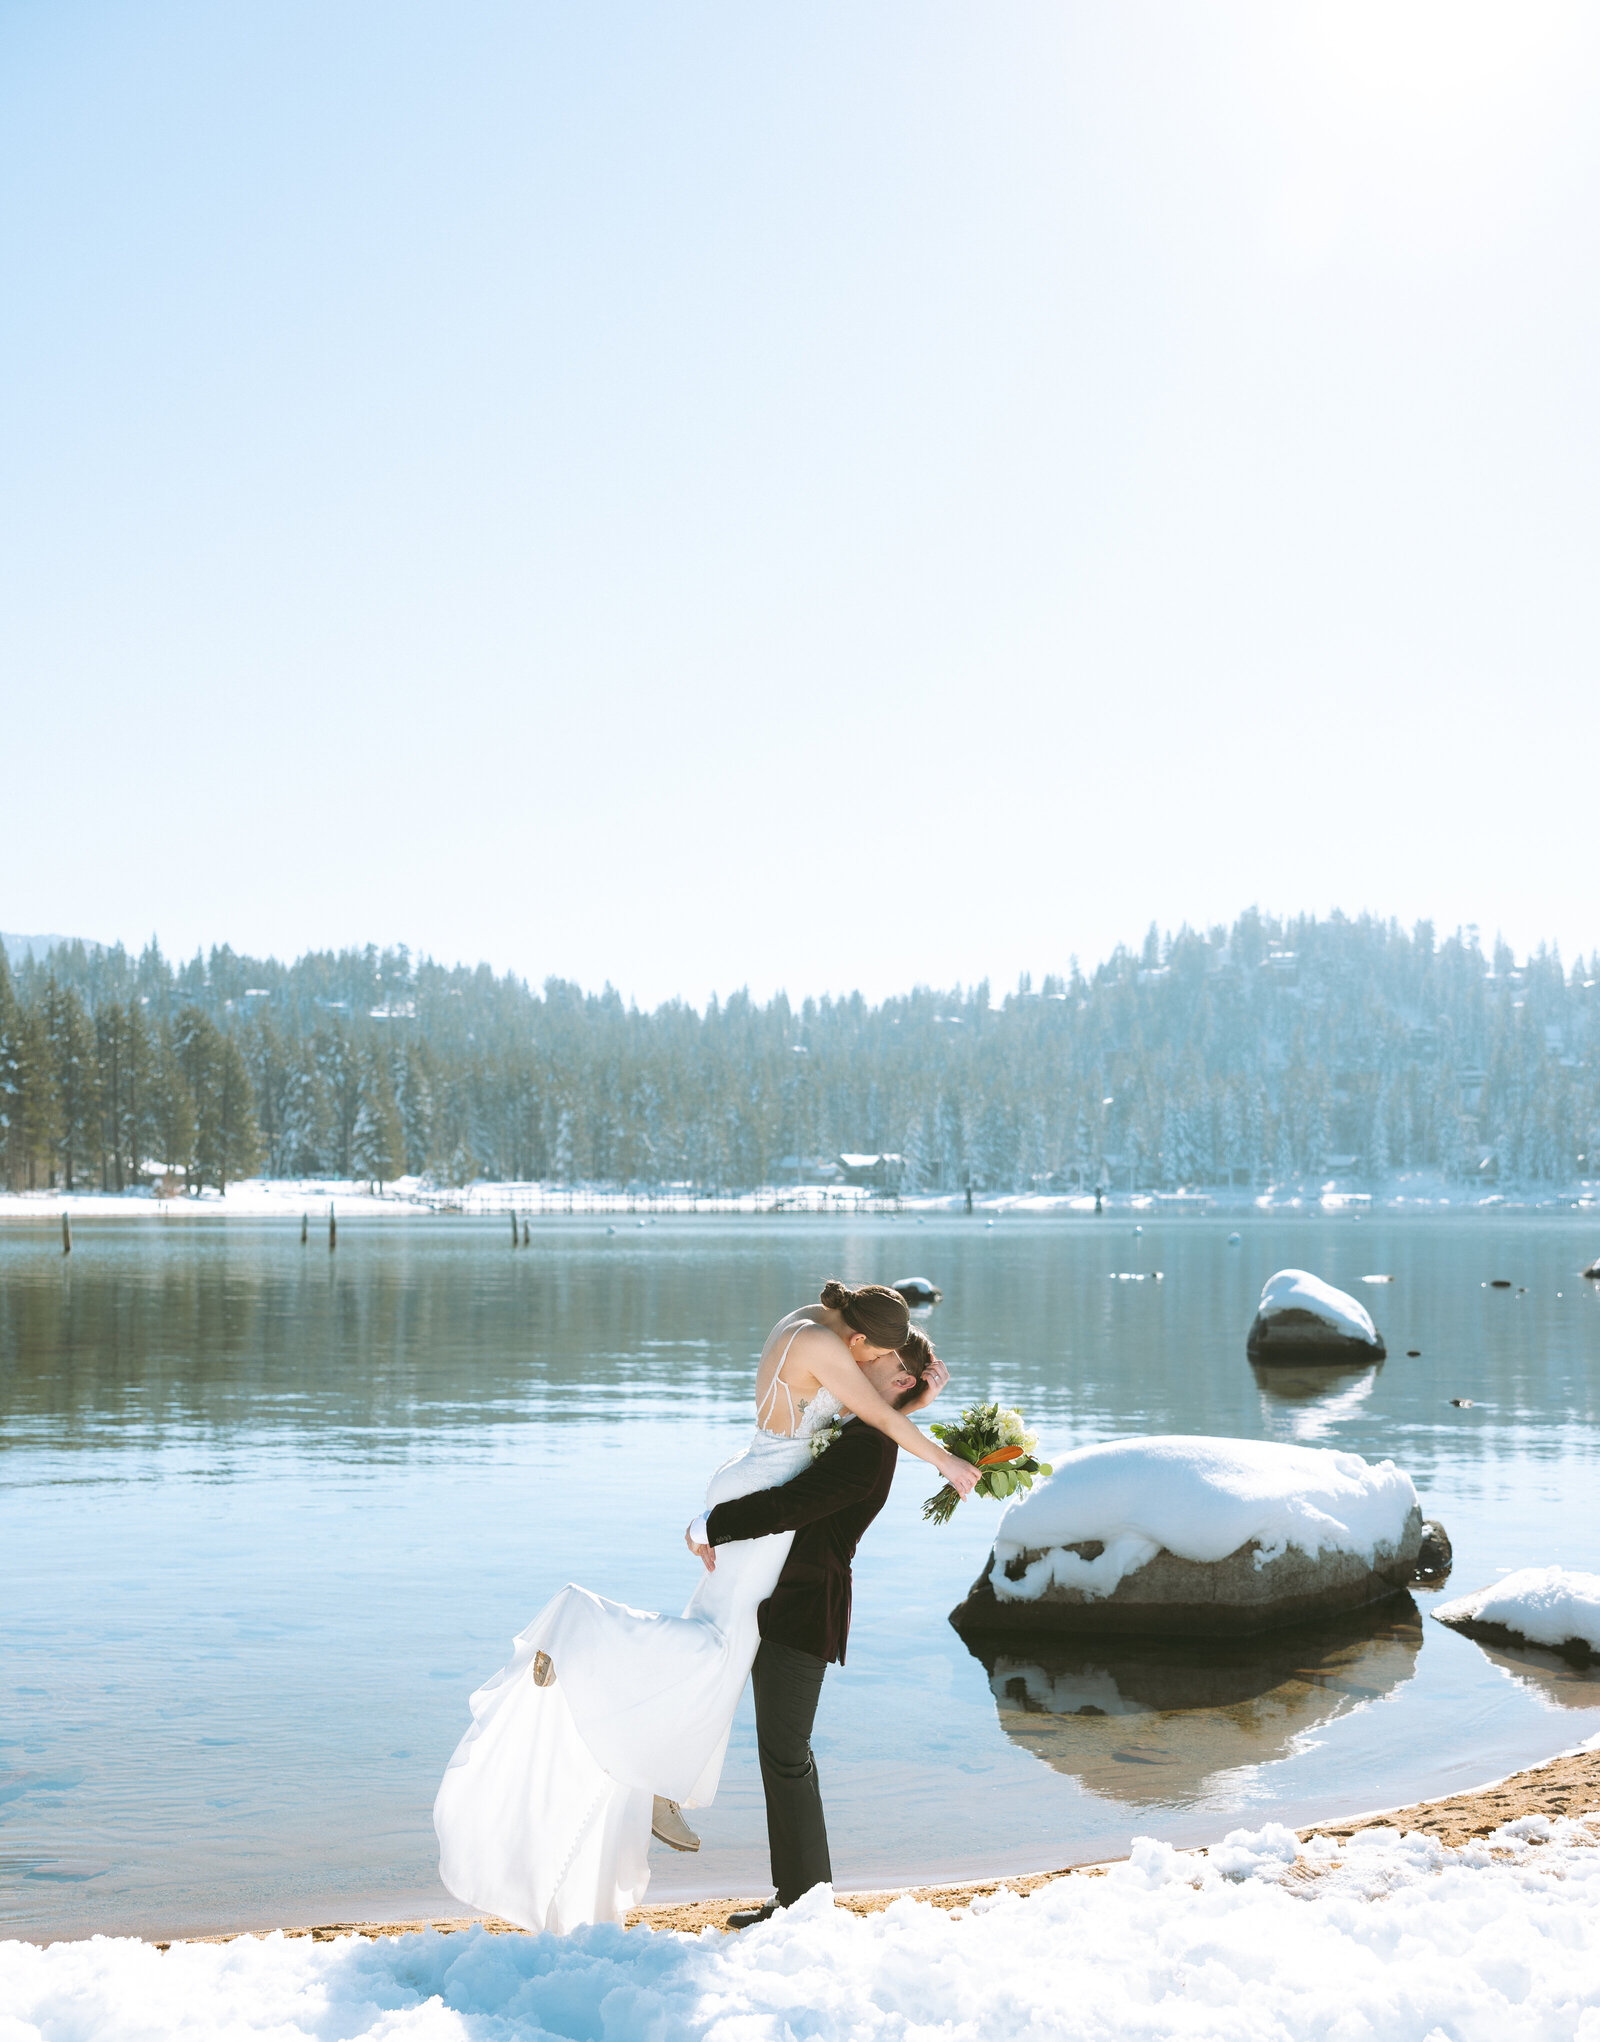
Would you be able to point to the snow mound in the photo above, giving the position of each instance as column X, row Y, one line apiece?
column 1200, row 1499
column 1264, row 1940
column 1550, row 1606
column 1297, row 1290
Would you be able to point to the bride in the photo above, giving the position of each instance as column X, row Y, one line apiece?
column 606, row 1716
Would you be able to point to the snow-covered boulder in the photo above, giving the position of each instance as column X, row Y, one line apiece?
column 918, row 1290
column 1553, row 1607
column 1301, row 1318
column 1196, row 1537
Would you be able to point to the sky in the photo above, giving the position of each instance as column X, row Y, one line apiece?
column 811, row 497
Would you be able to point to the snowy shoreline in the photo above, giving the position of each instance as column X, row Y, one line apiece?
column 1358, row 1929
column 291, row 1199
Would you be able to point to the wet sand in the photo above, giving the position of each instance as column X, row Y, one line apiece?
column 1563, row 1786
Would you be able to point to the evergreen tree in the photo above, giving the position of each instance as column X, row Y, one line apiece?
column 13, row 1164
column 378, row 1139
column 74, row 1067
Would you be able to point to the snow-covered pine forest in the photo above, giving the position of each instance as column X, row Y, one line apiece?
column 1270, row 1051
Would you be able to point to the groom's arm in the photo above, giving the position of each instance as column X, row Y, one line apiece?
column 849, row 1472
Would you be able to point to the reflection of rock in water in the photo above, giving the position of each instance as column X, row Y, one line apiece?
column 1550, row 1675
column 1306, row 1403
column 1153, row 1720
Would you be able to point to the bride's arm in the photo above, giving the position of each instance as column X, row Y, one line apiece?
column 829, row 1361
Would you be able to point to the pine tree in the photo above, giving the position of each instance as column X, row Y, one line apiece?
column 378, row 1139
column 123, row 1044
column 237, row 1151
column 171, row 1107
column 414, row 1097
column 69, row 1036
column 227, row 1142
column 13, row 1166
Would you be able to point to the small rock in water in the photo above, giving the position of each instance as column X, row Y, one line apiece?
column 1413, row 1354
column 1499, row 1283
column 1462, row 1403
column 1435, row 1556
column 1593, row 1270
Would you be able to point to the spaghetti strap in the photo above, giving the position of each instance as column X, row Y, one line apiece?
column 770, row 1401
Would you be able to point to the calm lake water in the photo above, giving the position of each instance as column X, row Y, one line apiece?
column 268, row 1514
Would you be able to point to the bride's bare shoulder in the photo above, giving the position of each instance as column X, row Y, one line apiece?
column 797, row 1333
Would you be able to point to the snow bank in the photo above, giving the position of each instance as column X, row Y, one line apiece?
column 1262, row 1941
column 1548, row 1606
column 1297, row 1290
column 1200, row 1499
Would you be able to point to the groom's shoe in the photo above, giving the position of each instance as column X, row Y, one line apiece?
column 668, row 1826
column 747, row 1917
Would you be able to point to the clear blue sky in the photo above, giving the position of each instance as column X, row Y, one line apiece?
column 816, row 496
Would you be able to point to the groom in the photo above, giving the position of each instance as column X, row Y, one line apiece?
column 806, row 1619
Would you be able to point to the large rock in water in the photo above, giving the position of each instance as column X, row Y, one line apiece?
column 1556, row 1609
column 1302, row 1319
column 1179, row 1537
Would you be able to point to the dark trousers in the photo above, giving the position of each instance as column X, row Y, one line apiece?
column 787, row 1683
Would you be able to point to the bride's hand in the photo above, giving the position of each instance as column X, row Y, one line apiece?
column 704, row 1554
column 961, row 1475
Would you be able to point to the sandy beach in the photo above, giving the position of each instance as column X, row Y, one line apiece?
column 1568, row 1785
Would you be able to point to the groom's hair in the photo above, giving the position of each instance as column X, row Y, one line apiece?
column 916, row 1354
column 872, row 1309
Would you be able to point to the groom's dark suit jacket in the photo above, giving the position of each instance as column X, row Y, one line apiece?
column 827, row 1507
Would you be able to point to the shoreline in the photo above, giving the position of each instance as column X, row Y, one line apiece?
column 290, row 1199
column 1568, row 1784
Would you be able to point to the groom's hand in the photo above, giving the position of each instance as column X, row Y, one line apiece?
column 932, row 1383
column 704, row 1554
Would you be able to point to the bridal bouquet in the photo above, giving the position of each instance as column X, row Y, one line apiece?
column 996, row 1441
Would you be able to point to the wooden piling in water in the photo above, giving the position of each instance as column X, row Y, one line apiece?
column 515, row 1239
column 333, row 1229
column 525, row 1240
column 66, row 1232
column 305, row 1228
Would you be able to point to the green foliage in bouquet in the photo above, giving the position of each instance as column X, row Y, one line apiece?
column 996, row 1441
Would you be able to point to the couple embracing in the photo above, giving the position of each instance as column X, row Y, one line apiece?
column 608, row 1721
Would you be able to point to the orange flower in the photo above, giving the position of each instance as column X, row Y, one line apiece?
column 1006, row 1453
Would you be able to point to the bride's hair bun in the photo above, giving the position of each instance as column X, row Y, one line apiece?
column 873, row 1309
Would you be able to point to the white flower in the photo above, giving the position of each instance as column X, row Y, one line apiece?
column 1014, row 1431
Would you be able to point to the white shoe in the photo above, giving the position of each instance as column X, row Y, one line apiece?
column 668, row 1826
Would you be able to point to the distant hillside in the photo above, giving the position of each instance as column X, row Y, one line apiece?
column 23, row 949
column 1243, row 1055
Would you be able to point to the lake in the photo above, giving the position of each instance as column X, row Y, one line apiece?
column 269, row 1513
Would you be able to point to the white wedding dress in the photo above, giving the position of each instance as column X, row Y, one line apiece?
column 543, row 1815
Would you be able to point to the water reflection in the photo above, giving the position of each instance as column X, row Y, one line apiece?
column 1553, row 1679
column 1303, row 1404
column 1155, row 1721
